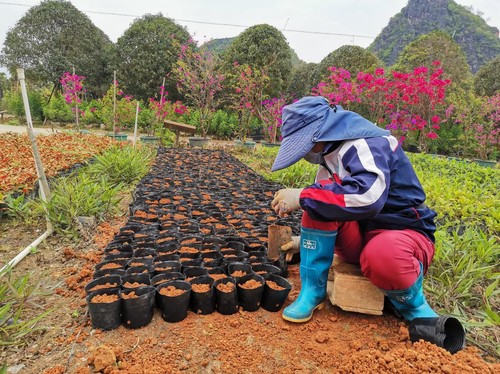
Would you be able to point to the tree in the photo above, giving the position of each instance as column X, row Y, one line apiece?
column 301, row 81
column 487, row 79
column 437, row 46
column 146, row 52
column 198, row 78
column 248, row 86
column 348, row 57
column 263, row 47
column 54, row 37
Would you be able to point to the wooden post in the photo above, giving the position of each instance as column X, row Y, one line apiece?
column 76, row 105
column 114, row 102
column 135, row 126
column 277, row 235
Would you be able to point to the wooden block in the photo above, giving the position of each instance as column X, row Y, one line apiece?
column 351, row 291
column 277, row 236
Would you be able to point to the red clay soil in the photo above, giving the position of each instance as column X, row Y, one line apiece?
column 334, row 341
column 262, row 342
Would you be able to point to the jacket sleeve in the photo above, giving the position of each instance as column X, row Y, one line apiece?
column 363, row 190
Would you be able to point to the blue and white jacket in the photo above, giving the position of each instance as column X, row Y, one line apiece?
column 367, row 179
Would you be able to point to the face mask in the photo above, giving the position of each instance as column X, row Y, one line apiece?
column 314, row 158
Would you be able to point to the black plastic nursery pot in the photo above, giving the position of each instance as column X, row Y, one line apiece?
column 265, row 270
column 444, row 331
column 238, row 269
column 141, row 270
column 107, row 282
column 226, row 296
column 167, row 266
column 133, row 281
column 137, row 311
column 105, row 272
column 276, row 290
column 202, row 295
column 173, row 300
column 165, row 277
column 105, row 309
column 250, row 289
column 194, row 271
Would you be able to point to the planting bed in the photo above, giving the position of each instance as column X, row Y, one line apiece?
column 197, row 214
column 59, row 152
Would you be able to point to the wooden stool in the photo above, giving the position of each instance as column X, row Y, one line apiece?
column 351, row 291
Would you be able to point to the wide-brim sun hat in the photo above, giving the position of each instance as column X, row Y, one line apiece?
column 302, row 120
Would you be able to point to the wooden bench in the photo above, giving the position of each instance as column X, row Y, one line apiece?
column 2, row 112
column 178, row 128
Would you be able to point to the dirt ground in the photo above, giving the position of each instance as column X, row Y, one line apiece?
column 334, row 341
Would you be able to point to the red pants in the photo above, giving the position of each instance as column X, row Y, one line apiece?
column 390, row 259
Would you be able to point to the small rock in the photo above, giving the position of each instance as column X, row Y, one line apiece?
column 233, row 323
column 188, row 357
column 321, row 338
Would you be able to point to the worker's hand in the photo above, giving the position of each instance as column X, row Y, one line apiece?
column 291, row 247
column 286, row 201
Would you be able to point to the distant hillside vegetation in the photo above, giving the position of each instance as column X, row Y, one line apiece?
column 479, row 41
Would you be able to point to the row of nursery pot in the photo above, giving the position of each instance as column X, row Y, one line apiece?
column 130, row 299
column 196, row 209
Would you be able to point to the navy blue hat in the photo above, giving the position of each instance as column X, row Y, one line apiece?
column 301, row 121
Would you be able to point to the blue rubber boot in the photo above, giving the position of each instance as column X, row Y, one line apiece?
column 411, row 303
column 316, row 255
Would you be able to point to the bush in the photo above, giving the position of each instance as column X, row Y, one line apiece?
column 80, row 195
column 122, row 165
column 58, row 110
column 15, row 295
column 15, row 105
column 224, row 125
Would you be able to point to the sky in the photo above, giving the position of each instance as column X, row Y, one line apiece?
column 313, row 28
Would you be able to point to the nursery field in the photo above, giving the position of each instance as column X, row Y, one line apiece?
column 207, row 209
column 58, row 152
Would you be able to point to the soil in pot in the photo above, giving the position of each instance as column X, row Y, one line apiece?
column 105, row 309
column 173, row 300
column 226, row 296
column 138, row 306
column 105, row 272
column 203, row 295
column 275, row 293
column 250, row 289
column 106, row 282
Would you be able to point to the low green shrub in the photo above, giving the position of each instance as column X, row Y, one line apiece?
column 16, row 293
column 58, row 110
column 122, row 164
column 79, row 195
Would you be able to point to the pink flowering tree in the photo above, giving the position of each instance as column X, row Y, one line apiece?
column 165, row 109
column 409, row 104
column 73, row 87
column 199, row 80
column 487, row 130
column 270, row 114
column 248, row 86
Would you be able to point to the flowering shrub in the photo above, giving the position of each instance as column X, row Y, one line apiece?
column 73, row 86
column 406, row 103
column 487, row 132
column 270, row 114
column 165, row 109
column 248, row 85
column 199, row 80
